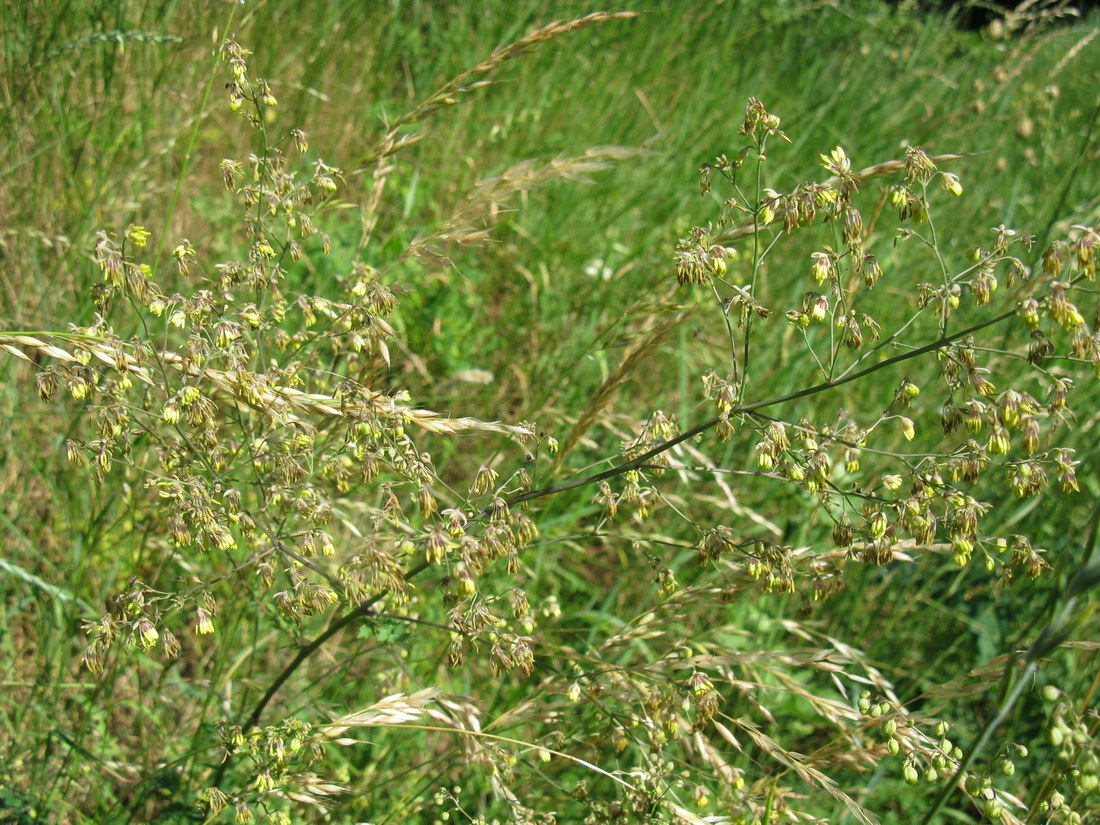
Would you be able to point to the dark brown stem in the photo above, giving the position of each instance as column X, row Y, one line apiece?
column 664, row 446
column 304, row 652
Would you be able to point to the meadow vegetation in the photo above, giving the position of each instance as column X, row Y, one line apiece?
column 427, row 411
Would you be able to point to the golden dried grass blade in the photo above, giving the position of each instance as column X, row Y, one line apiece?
column 252, row 391
column 640, row 348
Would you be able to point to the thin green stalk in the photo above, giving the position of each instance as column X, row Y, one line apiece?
column 192, row 141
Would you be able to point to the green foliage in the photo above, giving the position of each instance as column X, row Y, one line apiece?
column 378, row 474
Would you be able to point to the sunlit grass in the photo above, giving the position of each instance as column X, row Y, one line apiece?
column 526, row 327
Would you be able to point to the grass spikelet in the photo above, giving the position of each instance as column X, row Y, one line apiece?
column 886, row 167
column 271, row 399
column 642, row 346
column 470, row 223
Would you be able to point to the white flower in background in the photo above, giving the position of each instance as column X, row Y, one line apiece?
column 598, row 269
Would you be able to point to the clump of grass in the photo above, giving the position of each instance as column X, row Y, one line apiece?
column 279, row 496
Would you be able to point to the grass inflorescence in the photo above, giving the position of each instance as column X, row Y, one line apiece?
column 397, row 435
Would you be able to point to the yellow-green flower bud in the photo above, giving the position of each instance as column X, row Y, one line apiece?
column 821, row 268
column 204, row 624
column 998, row 443
column 864, row 703
column 147, row 634
column 878, row 524
column 250, row 314
column 137, row 235
column 171, row 412
column 907, row 428
column 820, row 309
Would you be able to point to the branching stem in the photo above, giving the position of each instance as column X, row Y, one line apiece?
column 340, row 622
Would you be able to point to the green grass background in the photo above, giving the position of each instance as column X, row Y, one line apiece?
column 99, row 103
